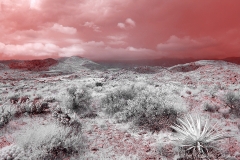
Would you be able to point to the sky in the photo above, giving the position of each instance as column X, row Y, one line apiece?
column 119, row 29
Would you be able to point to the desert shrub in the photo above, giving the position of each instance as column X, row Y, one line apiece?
column 77, row 99
column 49, row 141
column 146, row 107
column 116, row 100
column 64, row 119
column 210, row 108
column 99, row 84
column 167, row 150
column 150, row 110
column 232, row 100
column 6, row 114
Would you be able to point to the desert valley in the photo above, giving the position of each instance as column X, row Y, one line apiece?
column 74, row 108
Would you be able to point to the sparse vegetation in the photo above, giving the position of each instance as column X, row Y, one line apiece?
column 123, row 114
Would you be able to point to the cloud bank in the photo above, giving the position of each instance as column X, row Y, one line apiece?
column 119, row 29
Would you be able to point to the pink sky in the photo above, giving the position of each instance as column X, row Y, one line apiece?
column 119, row 29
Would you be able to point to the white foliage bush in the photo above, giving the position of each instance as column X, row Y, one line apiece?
column 12, row 152
column 49, row 141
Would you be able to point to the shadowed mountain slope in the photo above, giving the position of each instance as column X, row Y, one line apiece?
column 31, row 65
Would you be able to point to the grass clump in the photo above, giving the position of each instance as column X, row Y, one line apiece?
column 145, row 106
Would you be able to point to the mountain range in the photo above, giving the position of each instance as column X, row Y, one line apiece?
column 76, row 62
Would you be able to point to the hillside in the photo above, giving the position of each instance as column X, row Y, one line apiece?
column 75, row 64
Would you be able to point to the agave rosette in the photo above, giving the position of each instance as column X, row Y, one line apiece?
column 197, row 130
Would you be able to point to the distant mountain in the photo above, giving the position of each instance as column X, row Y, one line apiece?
column 232, row 60
column 164, row 62
column 76, row 63
column 31, row 65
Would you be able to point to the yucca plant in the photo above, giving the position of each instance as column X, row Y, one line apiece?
column 197, row 135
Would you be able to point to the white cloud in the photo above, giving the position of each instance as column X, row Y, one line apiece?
column 132, row 49
column 121, row 25
column 117, row 40
column 94, row 44
column 73, row 40
column 93, row 26
column 62, row 29
column 35, row 4
column 40, row 49
column 188, row 47
column 71, row 51
column 129, row 23
column 175, row 43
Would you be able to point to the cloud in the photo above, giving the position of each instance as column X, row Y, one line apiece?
column 96, row 28
column 35, row 4
column 175, row 43
column 184, row 47
column 121, row 25
column 93, row 26
column 62, row 29
column 71, row 51
column 117, row 39
column 39, row 50
column 129, row 23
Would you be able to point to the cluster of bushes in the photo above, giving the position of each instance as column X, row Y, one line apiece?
column 49, row 141
column 145, row 106
column 14, row 107
column 231, row 101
